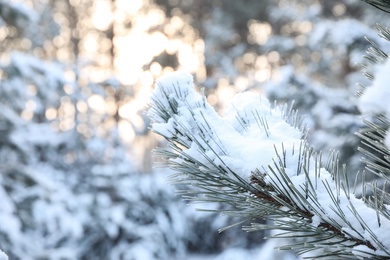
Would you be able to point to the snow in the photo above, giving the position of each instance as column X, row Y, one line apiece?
column 266, row 251
column 164, row 129
column 340, row 33
column 12, row 8
column 246, row 142
column 73, row 203
column 375, row 98
column 242, row 142
column 3, row 256
column 29, row 66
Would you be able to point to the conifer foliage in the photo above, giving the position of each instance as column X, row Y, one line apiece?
column 383, row 5
column 256, row 159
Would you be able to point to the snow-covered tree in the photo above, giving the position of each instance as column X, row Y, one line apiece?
column 256, row 158
column 68, row 187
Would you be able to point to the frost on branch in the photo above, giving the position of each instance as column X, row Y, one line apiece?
column 255, row 158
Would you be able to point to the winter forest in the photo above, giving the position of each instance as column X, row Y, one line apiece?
column 194, row 129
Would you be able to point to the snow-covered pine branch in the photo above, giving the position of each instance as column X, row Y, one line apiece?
column 255, row 158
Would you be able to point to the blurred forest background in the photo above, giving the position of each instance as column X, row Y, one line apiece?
column 75, row 77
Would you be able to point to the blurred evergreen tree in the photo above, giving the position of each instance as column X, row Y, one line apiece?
column 68, row 187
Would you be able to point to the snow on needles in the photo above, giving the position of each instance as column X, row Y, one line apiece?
column 375, row 99
column 236, row 139
column 253, row 136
